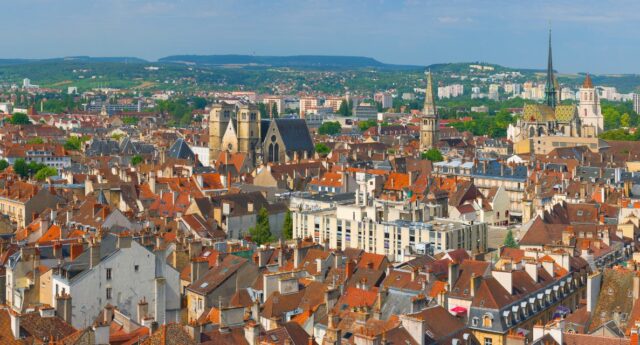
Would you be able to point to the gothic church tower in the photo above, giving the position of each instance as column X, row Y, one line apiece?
column 429, row 126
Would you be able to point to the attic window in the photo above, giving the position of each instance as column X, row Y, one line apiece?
column 273, row 337
column 579, row 212
column 204, row 285
column 610, row 291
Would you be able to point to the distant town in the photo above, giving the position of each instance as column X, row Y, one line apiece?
column 212, row 201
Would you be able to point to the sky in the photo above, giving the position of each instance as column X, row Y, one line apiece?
column 596, row 36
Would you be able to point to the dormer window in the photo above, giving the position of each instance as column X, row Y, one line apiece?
column 487, row 321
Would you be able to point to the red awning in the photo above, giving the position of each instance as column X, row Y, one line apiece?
column 459, row 310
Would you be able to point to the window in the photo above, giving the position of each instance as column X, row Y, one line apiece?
column 474, row 321
column 488, row 341
column 136, row 268
column 487, row 322
column 108, row 274
column 108, row 293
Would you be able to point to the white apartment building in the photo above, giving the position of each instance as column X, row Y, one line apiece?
column 383, row 227
column 121, row 272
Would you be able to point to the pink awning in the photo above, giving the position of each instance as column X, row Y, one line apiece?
column 459, row 310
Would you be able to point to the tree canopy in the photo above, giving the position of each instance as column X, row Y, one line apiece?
column 137, row 159
column 287, row 228
column 3, row 164
column 261, row 233
column 433, row 155
column 330, row 128
column 509, row 241
column 20, row 119
column 322, row 149
column 45, row 172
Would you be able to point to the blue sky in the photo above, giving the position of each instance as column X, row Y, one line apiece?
column 589, row 36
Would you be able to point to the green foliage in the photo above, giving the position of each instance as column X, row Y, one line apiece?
column 117, row 136
column 180, row 109
column 274, row 111
column 509, row 240
column 620, row 134
column 20, row 119
column 24, row 169
column 330, row 128
column 322, row 149
column 130, row 120
column 3, row 164
column 364, row 125
column 45, row 172
column 618, row 115
column 137, row 159
column 287, row 228
column 74, row 143
column 261, row 233
column 482, row 124
column 346, row 108
column 35, row 140
column 433, row 155
column 262, row 108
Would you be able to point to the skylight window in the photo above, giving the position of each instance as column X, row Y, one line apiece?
column 204, row 285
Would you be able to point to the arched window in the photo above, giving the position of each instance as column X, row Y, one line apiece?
column 276, row 152
column 270, row 153
column 585, row 112
column 487, row 321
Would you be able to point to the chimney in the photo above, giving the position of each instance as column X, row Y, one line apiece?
column 94, row 254
column 251, row 333
column 75, row 249
column 320, row 266
column 107, row 314
column 63, row 307
column 263, row 256
column 474, row 284
column 593, row 290
column 195, row 248
column 281, row 256
column 532, row 269
column 142, row 310
column 255, row 311
column 199, row 266
column 548, row 266
column 454, row 269
column 297, row 255
column 57, row 250
column 195, row 331
column 636, row 288
column 15, row 324
column 124, row 240
column 349, row 268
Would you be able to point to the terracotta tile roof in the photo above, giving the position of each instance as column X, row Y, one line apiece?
column 397, row 181
column 169, row 334
column 355, row 297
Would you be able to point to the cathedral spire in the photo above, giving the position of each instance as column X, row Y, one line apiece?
column 429, row 107
column 550, row 97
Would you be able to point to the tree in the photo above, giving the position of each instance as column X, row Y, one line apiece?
column 509, row 241
column 130, row 120
column 3, row 164
column 261, row 233
column 73, row 144
column 330, row 128
column 21, row 167
column 45, row 172
column 20, row 119
column 274, row 111
column 364, row 125
column 287, row 228
column 625, row 120
column 322, row 149
column 262, row 108
column 135, row 160
column 36, row 140
column 433, row 155
column 344, row 109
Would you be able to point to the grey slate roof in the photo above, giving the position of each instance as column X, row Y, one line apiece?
column 181, row 150
column 295, row 134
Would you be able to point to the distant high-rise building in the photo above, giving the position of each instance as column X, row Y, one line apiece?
column 306, row 103
column 384, row 98
column 636, row 103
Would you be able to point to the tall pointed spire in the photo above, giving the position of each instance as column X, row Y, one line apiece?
column 550, row 97
column 429, row 107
